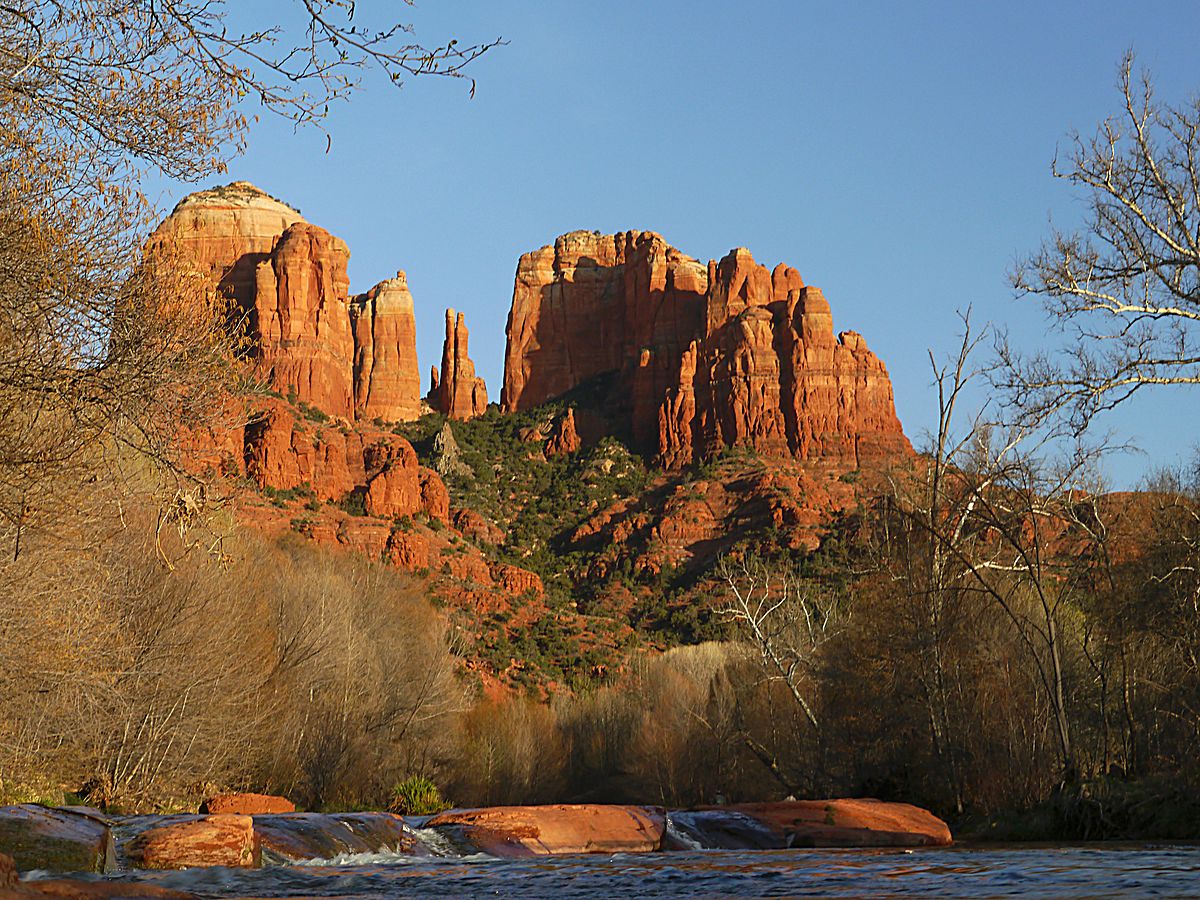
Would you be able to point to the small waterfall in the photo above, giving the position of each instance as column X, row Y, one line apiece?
column 437, row 843
column 679, row 836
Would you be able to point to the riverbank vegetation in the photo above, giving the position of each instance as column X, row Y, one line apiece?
column 332, row 679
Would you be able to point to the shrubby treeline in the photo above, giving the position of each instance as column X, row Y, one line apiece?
column 323, row 677
column 889, row 664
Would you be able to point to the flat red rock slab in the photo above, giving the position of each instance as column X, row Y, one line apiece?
column 523, row 831
column 247, row 804
column 846, row 823
column 220, row 840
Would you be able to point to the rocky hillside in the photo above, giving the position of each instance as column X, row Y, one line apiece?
column 655, row 413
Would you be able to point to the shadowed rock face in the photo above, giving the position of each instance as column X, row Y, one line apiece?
column 228, row 231
column 707, row 357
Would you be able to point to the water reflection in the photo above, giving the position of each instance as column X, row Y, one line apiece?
column 988, row 871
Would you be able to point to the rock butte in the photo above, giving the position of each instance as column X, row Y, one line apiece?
column 353, row 357
column 706, row 357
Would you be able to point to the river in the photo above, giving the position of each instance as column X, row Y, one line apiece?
column 1052, row 871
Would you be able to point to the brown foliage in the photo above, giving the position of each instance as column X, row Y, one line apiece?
column 325, row 678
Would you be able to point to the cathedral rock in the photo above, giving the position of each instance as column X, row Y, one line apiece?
column 704, row 357
column 353, row 357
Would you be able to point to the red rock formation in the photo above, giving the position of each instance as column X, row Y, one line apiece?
column 346, row 358
column 387, row 381
column 228, row 231
column 284, row 451
column 563, row 437
column 458, row 393
column 844, row 823
column 220, row 840
column 407, row 551
column 247, row 804
column 517, row 581
column 471, row 524
column 435, row 499
column 523, row 831
column 289, row 278
column 393, row 480
column 301, row 320
column 726, row 356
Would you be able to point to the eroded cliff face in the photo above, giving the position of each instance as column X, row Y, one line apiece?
column 706, row 357
column 387, row 380
column 348, row 357
column 455, row 391
column 228, row 231
column 301, row 319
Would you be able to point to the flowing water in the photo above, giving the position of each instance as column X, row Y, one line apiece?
column 1094, row 870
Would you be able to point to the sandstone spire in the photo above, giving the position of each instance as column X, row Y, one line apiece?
column 387, row 382
column 457, row 393
column 301, row 319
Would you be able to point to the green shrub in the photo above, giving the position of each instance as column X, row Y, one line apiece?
column 312, row 413
column 354, row 503
column 280, row 497
column 417, row 796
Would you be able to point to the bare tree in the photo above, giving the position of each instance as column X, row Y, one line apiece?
column 786, row 621
column 1124, row 290
column 994, row 507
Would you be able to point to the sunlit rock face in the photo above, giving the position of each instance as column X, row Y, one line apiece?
column 286, row 278
column 706, row 357
column 455, row 390
column 387, row 379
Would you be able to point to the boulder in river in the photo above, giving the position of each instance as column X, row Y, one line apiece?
column 814, row 823
column 184, row 842
column 247, row 804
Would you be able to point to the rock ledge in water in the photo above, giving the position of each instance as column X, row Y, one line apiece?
column 218, row 840
column 55, row 840
column 819, row 823
column 521, row 831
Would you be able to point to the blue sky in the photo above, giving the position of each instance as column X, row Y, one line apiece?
column 896, row 153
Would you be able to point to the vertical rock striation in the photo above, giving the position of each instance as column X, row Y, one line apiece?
column 353, row 358
column 387, row 381
column 455, row 391
column 301, row 319
column 731, row 354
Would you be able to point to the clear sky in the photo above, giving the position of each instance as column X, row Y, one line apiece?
column 896, row 153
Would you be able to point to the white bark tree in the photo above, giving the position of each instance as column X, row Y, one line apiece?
column 1124, row 289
